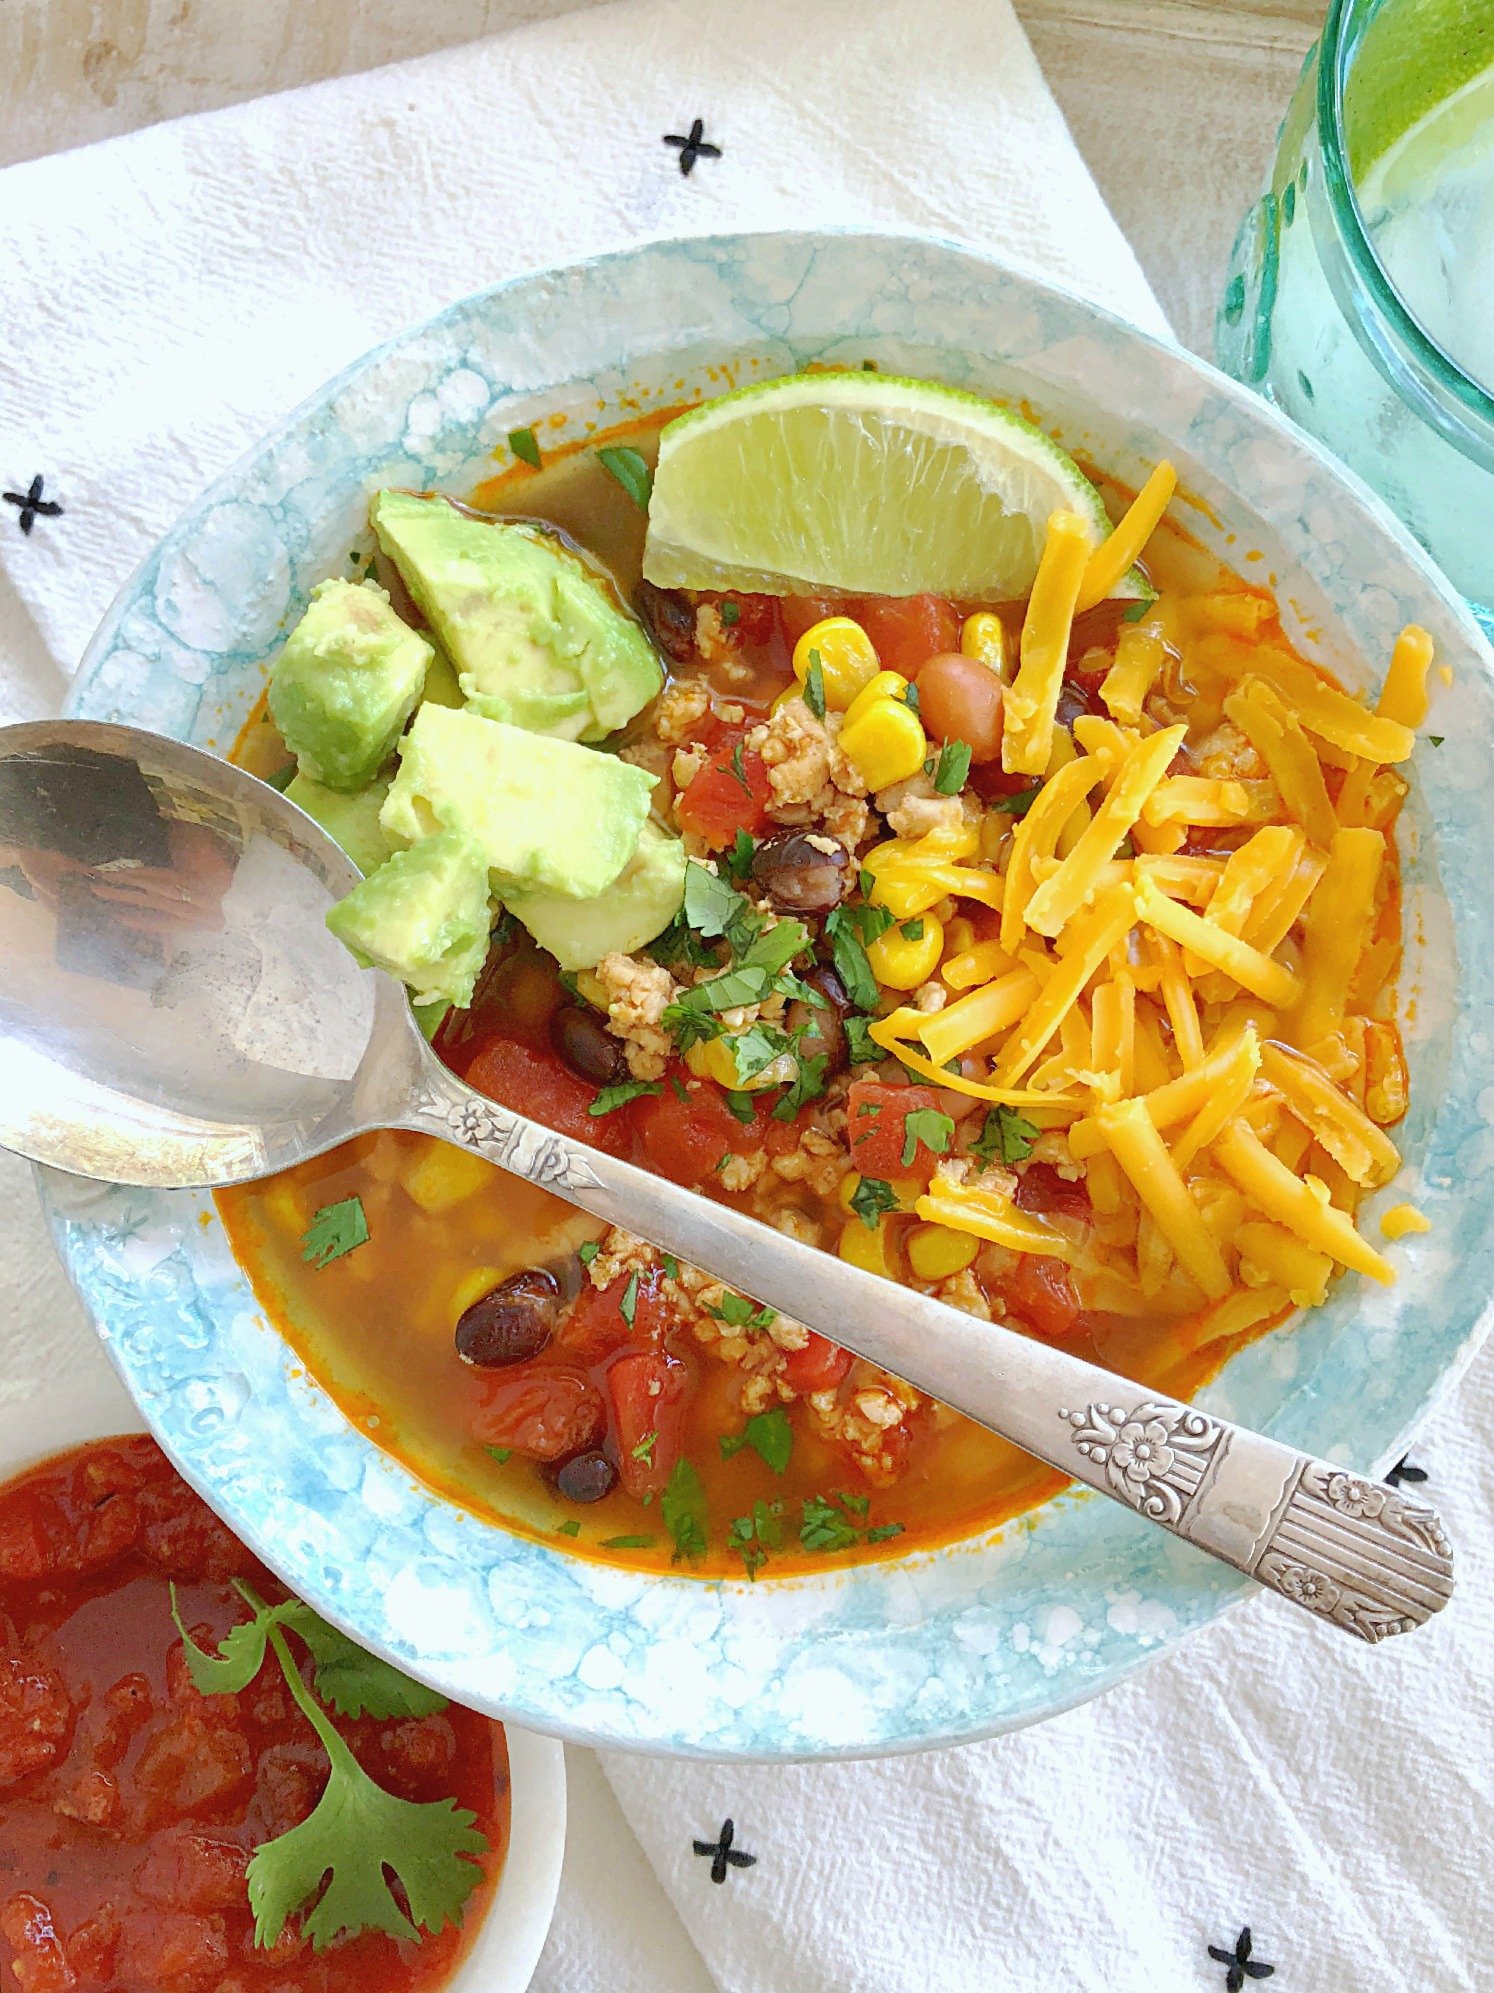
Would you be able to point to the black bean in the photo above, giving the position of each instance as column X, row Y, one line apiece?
column 585, row 1044
column 669, row 618
column 585, row 1477
column 797, row 875
column 512, row 1322
column 1073, row 703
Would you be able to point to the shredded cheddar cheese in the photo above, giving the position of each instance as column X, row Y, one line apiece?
column 1032, row 697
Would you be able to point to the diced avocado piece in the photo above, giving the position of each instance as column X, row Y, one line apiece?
column 424, row 916
column 346, row 682
column 547, row 815
column 351, row 821
column 441, row 686
column 536, row 639
column 639, row 904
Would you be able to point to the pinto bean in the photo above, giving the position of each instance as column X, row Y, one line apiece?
column 797, row 875
column 511, row 1323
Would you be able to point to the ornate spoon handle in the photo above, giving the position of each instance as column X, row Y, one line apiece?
column 1357, row 1554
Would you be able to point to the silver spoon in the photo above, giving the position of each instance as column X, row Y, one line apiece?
column 174, row 1013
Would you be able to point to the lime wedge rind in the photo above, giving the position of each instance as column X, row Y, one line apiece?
column 863, row 484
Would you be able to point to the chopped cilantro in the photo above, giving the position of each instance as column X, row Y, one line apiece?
column 1006, row 1136
column 1436, row 739
column 587, row 1251
column 851, row 930
column 755, row 1049
column 754, row 1536
column 871, row 1197
column 524, row 447
column 335, row 1230
column 712, row 905
column 730, row 613
column 866, row 882
column 738, row 861
column 883, row 1530
column 613, row 1097
column 1134, row 612
column 683, row 1507
column 861, row 1048
column 953, row 768
column 809, row 1084
column 814, row 685
column 627, row 1307
column 770, row 1436
column 909, row 696
column 502, row 1454
column 929, row 1126
column 911, row 930
column 670, row 1265
column 283, row 777
column 571, row 1528
column 739, row 1106
column 739, row 1313
column 738, row 770
column 825, row 1527
column 681, row 1091
column 357, row 1836
column 630, row 470
column 1017, row 805
column 644, row 1450
column 856, row 1504
column 646, row 1542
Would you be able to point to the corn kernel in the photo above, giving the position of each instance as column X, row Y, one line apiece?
column 1403, row 1218
column 900, row 960
column 711, row 1059
column 886, row 745
column 867, row 1249
column 886, row 685
column 444, row 1177
column 848, row 660
column 935, row 1252
column 794, row 691
column 959, row 934
column 472, row 1287
column 983, row 637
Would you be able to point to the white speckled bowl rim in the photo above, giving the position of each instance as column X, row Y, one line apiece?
column 930, row 1648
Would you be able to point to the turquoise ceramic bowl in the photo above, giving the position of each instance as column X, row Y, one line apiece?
column 936, row 1647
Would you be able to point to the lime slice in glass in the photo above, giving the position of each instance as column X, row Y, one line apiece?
column 863, row 483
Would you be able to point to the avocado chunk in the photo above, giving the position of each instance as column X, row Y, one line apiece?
column 347, row 680
column 535, row 637
column 547, row 815
column 351, row 821
column 639, row 904
column 424, row 916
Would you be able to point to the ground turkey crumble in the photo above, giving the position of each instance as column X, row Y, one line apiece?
column 812, row 780
column 636, row 993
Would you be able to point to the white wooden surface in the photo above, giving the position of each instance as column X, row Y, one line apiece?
column 1174, row 103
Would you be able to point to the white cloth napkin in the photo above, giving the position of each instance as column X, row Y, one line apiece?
column 167, row 297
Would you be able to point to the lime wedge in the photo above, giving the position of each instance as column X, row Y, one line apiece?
column 859, row 482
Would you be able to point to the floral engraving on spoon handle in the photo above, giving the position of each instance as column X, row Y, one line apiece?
column 1357, row 1554
column 516, row 1145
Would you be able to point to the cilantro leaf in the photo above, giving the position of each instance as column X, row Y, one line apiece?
column 335, row 1230
column 910, row 697
column 644, row 1450
column 738, row 861
column 808, row 1084
column 283, row 777
column 861, row 1048
column 739, row 1105
column 883, row 1530
column 740, row 1313
column 521, row 442
column 633, row 1542
column 929, row 1126
column 711, row 903
column 353, row 1681
column 502, row 1454
column 730, row 612
column 952, row 768
column 814, row 685
column 1436, row 740
column 1134, row 612
column 856, row 1505
column 587, row 1251
column 755, row 1049
column 630, row 470
column 775, row 947
column 570, row 1528
column 1017, row 805
column 612, row 1097
column 240, row 1656
column 670, row 1265
column 683, row 1507
column 737, row 769
column 754, row 1536
column 627, row 1307
column 1006, row 1136
column 824, row 1527
column 770, row 1436
column 871, row 1197
column 911, row 930
column 850, row 930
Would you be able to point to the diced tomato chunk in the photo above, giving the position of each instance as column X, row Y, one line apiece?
column 182, row 1535
column 819, row 1366
column 687, row 1139
column 38, row 1959
column 35, row 1717
column 595, row 1325
column 418, row 1754
column 536, row 1084
column 799, row 613
column 185, row 1870
column 191, row 1769
column 719, row 801
column 649, row 1393
column 171, row 1951
column 546, row 1410
column 1042, row 1191
column 907, row 630
column 1041, row 1294
column 755, row 620
column 875, row 1117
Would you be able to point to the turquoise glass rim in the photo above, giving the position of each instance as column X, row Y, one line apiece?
column 930, row 1648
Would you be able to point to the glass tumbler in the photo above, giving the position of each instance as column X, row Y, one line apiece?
column 1361, row 290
